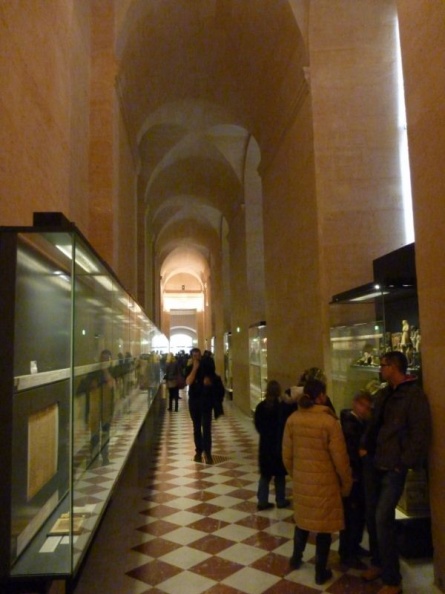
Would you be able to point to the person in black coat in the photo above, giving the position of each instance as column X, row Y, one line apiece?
column 171, row 377
column 270, row 417
column 206, row 393
column 353, row 422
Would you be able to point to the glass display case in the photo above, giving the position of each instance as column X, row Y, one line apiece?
column 228, row 377
column 365, row 323
column 257, row 363
column 78, row 376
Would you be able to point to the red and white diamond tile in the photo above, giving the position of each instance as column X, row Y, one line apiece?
column 176, row 526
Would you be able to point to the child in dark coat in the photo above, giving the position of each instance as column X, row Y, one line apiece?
column 270, row 417
column 353, row 424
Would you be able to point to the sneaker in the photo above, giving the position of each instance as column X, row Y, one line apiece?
column 371, row 574
column 283, row 504
column 197, row 458
column 390, row 589
column 264, row 506
column 323, row 576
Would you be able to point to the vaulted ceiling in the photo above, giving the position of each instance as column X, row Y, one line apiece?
column 197, row 79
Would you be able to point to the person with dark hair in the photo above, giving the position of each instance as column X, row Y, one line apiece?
column 171, row 378
column 353, row 422
column 396, row 440
column 315, row 373
column 269, row 419
column 315, row 456
column 205, row 389
column 100, row 386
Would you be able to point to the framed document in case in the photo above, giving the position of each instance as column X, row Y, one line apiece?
column 43, row 442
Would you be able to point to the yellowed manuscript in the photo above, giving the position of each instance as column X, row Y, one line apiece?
column 43, row 439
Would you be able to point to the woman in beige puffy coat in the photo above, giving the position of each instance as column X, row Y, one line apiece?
column 315, row 456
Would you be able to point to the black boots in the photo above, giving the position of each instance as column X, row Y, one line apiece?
column 323, row 544
column 322, row 576
column 300, row 540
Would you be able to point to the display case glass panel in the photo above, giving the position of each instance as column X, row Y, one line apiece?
column 257, row 363
column 74, row 395
column 365, row 324
column 228, row 377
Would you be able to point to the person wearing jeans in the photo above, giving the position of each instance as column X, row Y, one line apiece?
column 171, row 377
column 395, row 440
column 205, row 388
column 280, row 492
column 269, row 419
column 384, row 492
column 201, row 416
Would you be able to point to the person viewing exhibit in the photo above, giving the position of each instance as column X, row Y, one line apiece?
column 315, row 456
column 396, row 440
column 269, row 418
column 212, row 175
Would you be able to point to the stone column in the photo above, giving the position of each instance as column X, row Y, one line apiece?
column 216, row 299
column 291, row 254
column 422, row 33
column 102, row 129
column 353, row 78
column 239, row 310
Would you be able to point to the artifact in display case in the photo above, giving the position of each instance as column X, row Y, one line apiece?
column 365, row 323
column 257, row 363
column 71, row 402
column 43, row 440
column 63, row 525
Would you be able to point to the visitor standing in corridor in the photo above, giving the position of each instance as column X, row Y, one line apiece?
column 396, row 440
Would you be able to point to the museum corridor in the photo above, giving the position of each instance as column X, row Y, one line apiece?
column 175, row 526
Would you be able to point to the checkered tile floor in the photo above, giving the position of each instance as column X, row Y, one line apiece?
column 179, row 527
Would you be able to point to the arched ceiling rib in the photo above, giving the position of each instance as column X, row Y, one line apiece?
column 193, row 147
column 188, row 260
column 232, row 54
column 158, row 141
column 201, row 177
column 189, row 114
column 176, row 210
column 196, row 79
column 188, row 234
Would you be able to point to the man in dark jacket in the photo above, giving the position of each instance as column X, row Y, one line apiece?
column 205, row 390
column 396, row 439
